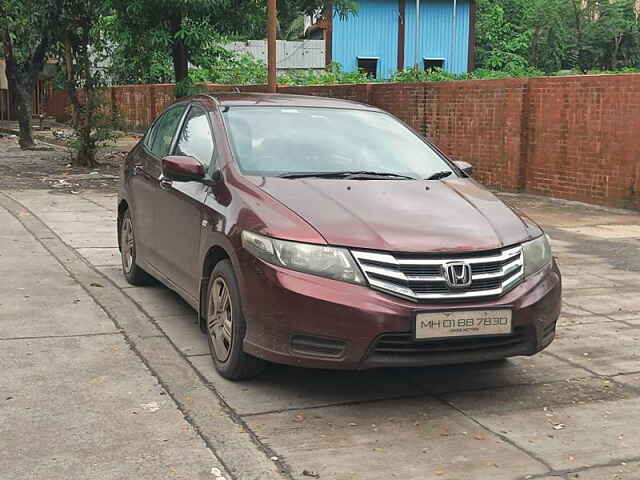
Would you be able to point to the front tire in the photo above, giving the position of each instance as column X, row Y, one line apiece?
column 130, row 269
column 226, row 326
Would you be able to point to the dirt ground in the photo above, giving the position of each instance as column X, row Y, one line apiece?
column 50, row 166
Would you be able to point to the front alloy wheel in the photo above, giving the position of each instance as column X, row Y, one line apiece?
column 220, row 321
column 226, row 326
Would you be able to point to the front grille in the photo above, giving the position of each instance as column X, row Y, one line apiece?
column 403, row 344
column 420, row 277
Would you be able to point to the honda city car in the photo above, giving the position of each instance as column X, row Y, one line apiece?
column 326, row 233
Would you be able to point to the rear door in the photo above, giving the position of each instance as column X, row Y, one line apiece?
column 180, row 206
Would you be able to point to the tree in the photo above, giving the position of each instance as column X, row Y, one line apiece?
column 190, row 31
column 501, row 45
column 558, row 34
column 82, row 37
column 612, row 37
column 26, row 28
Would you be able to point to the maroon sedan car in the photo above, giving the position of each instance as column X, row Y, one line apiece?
column 326, row 233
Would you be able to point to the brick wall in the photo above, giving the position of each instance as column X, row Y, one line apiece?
column 583, row 139
column 566, row 137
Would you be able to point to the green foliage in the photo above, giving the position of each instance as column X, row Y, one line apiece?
column 556, row 35
column 295, row 29
column 500, row 45
column 26, row 37
column 231, row 68
column 414, row 74
column 236, row 69
column 178, row 33
column 84, row 49
column 333, row 74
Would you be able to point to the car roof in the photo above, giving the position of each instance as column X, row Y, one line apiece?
column 285, row 100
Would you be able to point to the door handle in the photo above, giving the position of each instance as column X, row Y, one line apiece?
column 137, row 169
column 165, row 183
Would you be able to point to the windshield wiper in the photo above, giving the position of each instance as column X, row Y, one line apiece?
column 440, row 175
column 349, row 175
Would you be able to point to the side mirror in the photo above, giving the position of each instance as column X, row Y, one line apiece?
column 466, row 168
column 182, row 168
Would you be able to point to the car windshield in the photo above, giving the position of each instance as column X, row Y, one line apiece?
column 303, row 141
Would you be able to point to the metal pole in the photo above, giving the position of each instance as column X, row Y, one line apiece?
column 271, row 46
column 453, row 35
column 417, row 39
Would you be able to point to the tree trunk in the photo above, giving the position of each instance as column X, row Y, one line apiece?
column 180, row 58
column 24, row 109
column 180, row 62
column 577, row 9
column 21, row 83
column 86, row 155
column 81, row 114
column 617, row 41
column 535, row 41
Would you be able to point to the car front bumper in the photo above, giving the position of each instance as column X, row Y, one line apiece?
column 305, row 320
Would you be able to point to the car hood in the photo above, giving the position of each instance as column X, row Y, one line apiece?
column 403, row 216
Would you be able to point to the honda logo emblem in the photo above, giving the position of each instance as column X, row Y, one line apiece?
column 457, row 274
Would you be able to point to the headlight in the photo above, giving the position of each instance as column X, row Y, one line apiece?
column 325, row 261
column 537, row 253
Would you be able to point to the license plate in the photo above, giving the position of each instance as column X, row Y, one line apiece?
column 469, row 323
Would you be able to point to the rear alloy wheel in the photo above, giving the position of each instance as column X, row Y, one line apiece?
column 226, row 327
column 131, row 271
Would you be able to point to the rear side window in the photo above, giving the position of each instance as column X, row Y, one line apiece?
column 164, row 130
column 195, row 139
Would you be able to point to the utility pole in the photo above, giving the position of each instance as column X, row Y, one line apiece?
column 417, row 36
column 271, row 46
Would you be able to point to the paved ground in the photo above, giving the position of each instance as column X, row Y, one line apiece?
column 104, row 380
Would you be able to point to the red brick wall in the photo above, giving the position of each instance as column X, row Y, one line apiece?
column 566, row 137
column 481, row 123
column 584, row 137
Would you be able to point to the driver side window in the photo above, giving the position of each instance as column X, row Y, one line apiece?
column 195, row 139
column 165, row 129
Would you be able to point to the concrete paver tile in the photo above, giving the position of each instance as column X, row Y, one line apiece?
column 622, row 471
column 603, row 303
column 159, row 301
column 540, row 368
column 73, row 313
column 405, row 439
column 606, row 348
column 281, row 387
column 101, row 256
column 114, row 273
column 633, row 379
column 185, row 333
column 569, row 425
column 106, row 417
column 567, row 319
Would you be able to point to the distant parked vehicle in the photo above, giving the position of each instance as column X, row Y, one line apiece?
column 326, row 233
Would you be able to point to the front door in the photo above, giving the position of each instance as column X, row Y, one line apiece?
column 180, row 206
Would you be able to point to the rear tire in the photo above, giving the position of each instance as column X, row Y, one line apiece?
column 226, row 327
column 130, row 269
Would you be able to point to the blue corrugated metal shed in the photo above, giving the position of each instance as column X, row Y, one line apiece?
column 373, row 32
